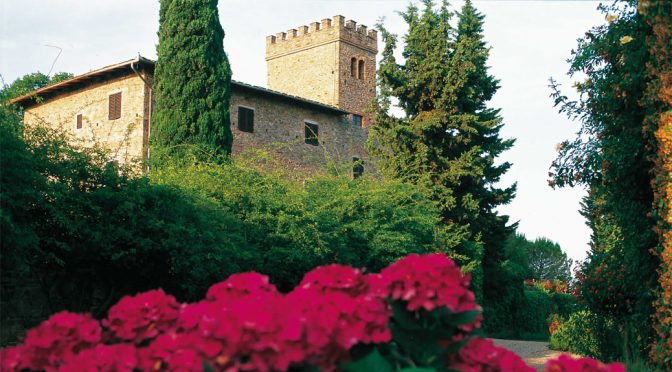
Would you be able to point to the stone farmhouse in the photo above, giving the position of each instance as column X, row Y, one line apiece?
column 321, row 78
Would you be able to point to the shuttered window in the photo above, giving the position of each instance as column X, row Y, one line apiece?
column 356, row 120
column 79, row 121
column 245, row 119
column 114, row 106
column 357, row 167
column 311, row 132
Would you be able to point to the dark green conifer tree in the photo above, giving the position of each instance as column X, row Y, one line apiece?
column 478, row 89
column 446, row 139
column 192, row 79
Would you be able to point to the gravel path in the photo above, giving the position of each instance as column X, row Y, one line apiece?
column 535, row 353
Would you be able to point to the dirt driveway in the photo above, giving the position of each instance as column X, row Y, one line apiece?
column 535, row 353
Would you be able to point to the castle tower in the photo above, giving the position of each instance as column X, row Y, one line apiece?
column 333, row 62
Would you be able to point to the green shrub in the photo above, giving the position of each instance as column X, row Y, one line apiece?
column 538, row 306
column 588, row 334
column 292, row 227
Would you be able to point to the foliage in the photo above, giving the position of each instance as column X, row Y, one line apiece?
column 548, row 261
column 613, row 155
column 658, row 124
column 292, row 228
column 416, row 315
column 192, row 79
column 67, row 213
column 544, row 258
column 589, row 334
column 29, row 83
column 447, row 139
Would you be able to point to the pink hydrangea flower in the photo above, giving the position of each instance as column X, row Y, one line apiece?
column 10, row 359
column 144, row 316
column 103, row 358
column 61, row 336
column 239, row 285
column 565, row 363
column 481, row 355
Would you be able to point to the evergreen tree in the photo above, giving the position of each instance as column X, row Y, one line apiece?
column 447, row 139
column 193, row 79
column 478, row 89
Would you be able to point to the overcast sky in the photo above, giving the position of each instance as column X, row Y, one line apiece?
column 530, row 41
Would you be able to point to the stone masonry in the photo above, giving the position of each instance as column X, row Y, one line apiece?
column 322, row 62
column 279, row 127
column 122, row 137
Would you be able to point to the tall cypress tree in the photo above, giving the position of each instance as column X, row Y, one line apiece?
column 193, row 79
column 447, row 139
column 473, row 96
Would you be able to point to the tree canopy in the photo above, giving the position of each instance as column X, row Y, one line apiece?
column 447, row 139
column 192, row 79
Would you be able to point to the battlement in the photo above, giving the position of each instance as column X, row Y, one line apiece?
column 318, row 33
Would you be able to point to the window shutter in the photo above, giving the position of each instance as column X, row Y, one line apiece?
column 79, row 121
column 311, row 134
column 245, row 119
column 357, row 168
column 114, row 111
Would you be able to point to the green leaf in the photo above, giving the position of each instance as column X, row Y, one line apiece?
column 418, row 369
column 464, row 318
column 374, row 362
column 206, row 366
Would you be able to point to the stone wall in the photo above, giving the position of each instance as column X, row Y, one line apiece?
column 279, row 128
column 355, row 95
column 315, row 63
column 123, row 137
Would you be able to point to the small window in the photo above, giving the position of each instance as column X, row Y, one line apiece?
column 357, row 168
column 360, row 69
column 79, row 121
column 357, row 120
column 353, row 67
column 245, row 119
column 311, row 131
column 114, row 106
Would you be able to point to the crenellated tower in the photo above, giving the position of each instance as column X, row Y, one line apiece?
column 333, row 62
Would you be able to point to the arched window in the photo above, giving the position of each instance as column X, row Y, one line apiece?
column 353, row 67
column 361, row 69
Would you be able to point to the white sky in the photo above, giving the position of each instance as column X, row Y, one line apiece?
column 530, row 41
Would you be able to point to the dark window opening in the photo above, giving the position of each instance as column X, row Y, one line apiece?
column 79, row 121
column 311, row 132
column 357, row 168
column 245, row 119
column 353, row 67
column 357, row 120
column 360, row 69
column 114, row 106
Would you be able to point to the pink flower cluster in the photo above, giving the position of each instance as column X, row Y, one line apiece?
column 481, row 355
column 245, row 324
column 565, row 363
column 59, row 338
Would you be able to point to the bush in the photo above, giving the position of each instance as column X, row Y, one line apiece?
column 88, row 232
column 293, row 227
column 588, row 334
column 79, row 232
column 416, row 315
column 538, row 307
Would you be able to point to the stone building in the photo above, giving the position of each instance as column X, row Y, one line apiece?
column 320, row 81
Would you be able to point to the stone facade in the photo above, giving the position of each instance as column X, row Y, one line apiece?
column 279, row 122
column 279, row 127
column 322, row 62
column 323, row 75
column 125, row 138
